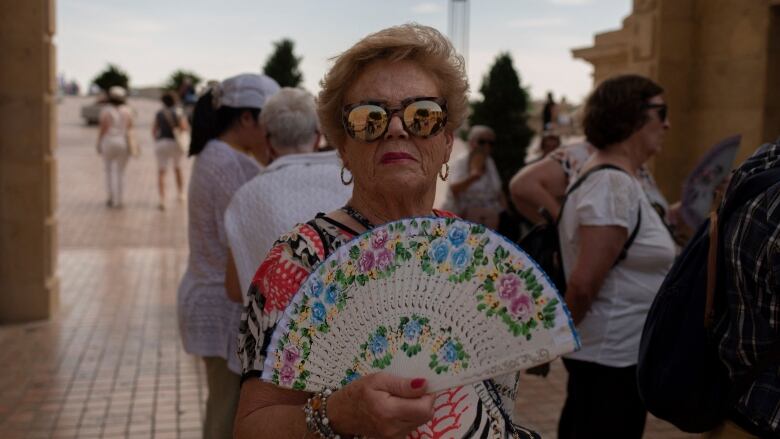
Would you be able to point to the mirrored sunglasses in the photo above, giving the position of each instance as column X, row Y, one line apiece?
column 420, row 116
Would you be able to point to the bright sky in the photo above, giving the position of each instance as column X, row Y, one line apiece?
column 217, row 39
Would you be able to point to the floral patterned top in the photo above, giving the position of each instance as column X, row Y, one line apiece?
column 286, row 267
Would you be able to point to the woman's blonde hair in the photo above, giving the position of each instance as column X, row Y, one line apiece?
column 423, row 45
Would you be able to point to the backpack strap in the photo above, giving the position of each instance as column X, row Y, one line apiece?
column 624, row 251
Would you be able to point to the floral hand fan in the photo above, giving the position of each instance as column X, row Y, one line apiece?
column 437, row 298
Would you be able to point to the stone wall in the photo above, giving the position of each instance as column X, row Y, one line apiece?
column 28, row 226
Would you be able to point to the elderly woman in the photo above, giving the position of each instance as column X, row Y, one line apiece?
column 609, row 291
column 383, row 82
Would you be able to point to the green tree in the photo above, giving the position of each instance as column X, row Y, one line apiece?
column 505, row 109
column 178, row 77
column 111, row 76
column 282, row 65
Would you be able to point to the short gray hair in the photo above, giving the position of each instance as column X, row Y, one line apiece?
column 290, row 119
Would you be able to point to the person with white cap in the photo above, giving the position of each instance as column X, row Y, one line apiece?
column 225, row 132
column 116, row 122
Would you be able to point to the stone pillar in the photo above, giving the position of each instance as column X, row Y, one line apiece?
column 28, row 239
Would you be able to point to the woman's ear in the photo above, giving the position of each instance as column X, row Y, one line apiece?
column 449, row 138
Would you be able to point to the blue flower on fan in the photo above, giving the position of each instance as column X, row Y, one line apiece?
column 316, row 287
column 412, row 330
column 448, row 352
column 458, row 234
column 461, row 259
column 318, row 313
column 331, row 293
column 439, row 251
column 378, row 345
column 351, row 376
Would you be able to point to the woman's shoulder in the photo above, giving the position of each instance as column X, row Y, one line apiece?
column 606, row 179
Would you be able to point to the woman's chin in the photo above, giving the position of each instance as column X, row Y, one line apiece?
column 403, row 182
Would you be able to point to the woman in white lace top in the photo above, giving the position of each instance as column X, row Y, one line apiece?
column 225, row 131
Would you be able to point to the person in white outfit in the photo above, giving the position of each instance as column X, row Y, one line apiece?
column 225, row 131
column 116, row 121
column 166, row 149
column 298, row 184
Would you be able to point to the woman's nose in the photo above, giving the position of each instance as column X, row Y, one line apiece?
column 396, row 129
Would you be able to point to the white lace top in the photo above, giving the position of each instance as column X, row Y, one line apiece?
column 208, row 320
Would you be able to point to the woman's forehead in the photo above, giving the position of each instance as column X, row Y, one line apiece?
column 391, row 82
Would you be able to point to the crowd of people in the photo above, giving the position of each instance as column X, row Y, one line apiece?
column 266, row 205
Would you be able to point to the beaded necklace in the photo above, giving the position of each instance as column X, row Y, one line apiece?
column 357, row 216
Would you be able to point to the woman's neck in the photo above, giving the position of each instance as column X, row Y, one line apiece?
column 231, row 138
column 380, row 208
column 625, row 154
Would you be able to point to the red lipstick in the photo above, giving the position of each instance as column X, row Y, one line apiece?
column 392, row 157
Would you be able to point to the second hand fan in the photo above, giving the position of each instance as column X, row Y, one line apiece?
column 436, row 298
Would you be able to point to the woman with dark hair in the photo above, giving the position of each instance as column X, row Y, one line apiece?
column 616, row 251
column 166, row 148
column 116, row 122
column 225, row 131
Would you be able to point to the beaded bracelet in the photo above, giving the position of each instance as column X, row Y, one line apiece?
column 317, row 420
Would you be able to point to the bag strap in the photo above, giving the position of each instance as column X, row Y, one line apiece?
column 624, row 251
column 168, row 115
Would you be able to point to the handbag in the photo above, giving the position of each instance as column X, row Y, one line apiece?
column 132, row 143
column 181, row 136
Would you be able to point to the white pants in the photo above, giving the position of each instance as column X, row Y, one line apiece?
column 115, row 154
column 167, row 151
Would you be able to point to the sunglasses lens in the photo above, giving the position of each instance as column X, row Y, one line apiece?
column 424, row 118
column 366, row 122
column 662, row 114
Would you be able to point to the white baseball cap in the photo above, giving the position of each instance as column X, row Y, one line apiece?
column 247, row 90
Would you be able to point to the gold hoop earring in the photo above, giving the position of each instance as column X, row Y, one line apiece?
column 446, row 172
column 343, row 180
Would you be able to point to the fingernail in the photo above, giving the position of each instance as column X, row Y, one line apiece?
column 418, row 382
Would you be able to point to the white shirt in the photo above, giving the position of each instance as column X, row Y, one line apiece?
column 208, row 320
column 292, row 190
column 612, row 328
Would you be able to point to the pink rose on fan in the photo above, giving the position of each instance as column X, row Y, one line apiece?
column 379, row 238
column 384, row 258
column 366, row 261
column 290, row 355
column 521, row 307
column 286, row 375
column 508, row 286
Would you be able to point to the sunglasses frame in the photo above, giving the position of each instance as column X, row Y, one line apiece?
column 391, row 112
column 663, row 110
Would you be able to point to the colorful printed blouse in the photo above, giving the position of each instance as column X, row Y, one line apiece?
column 485, row 404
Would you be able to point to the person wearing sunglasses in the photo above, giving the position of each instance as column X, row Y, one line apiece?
column 616, row 251
column 390, row 105
column 475, row 190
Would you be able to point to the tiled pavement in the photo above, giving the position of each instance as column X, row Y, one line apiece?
column 110, row 363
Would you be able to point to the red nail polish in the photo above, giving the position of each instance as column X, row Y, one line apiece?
column 418, row 382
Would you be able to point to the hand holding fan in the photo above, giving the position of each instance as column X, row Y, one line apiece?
column 436, row 298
